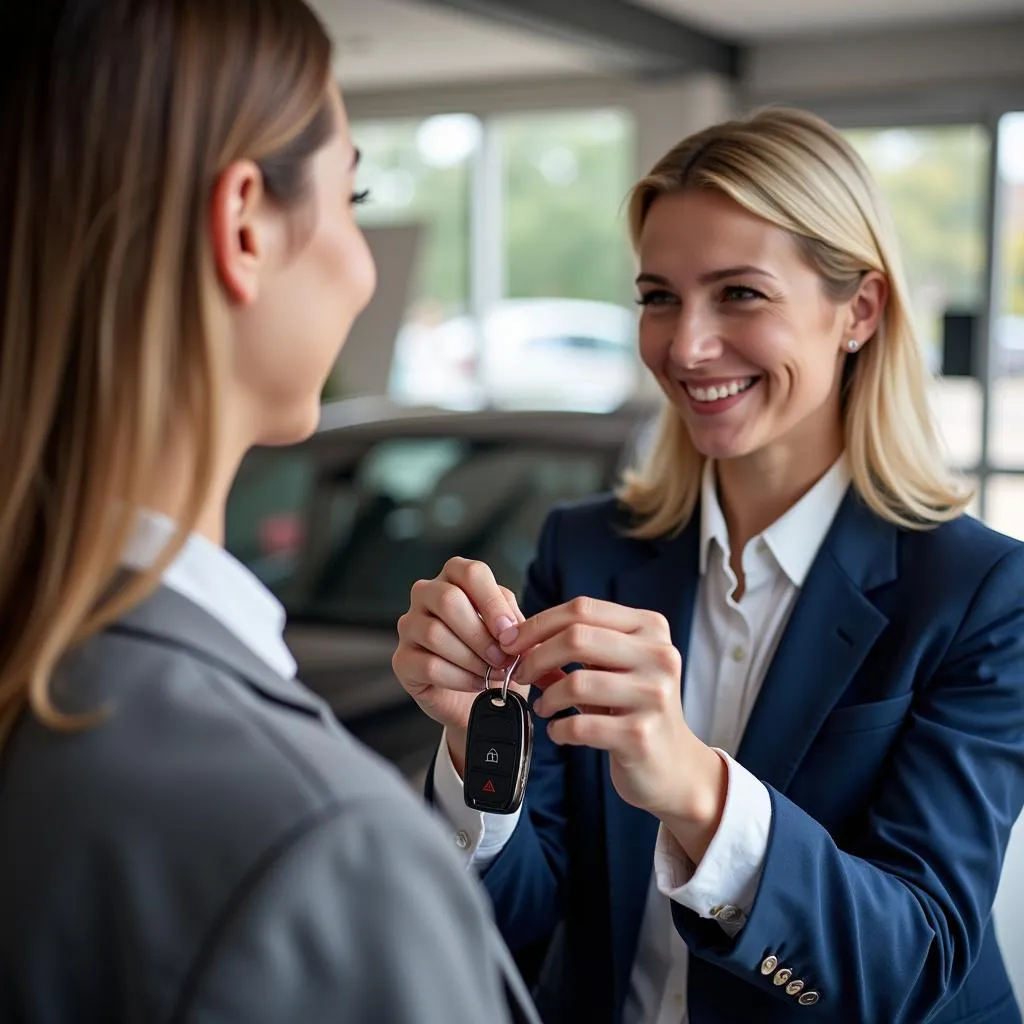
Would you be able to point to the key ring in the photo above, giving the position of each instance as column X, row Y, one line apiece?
column 505, row 681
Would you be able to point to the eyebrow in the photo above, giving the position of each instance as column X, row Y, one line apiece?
column 711, row 276
column 357, row 155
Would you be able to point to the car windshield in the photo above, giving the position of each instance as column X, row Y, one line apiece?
column 344, row 546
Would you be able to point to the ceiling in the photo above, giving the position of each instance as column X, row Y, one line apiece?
column 391, row 44
column 747, row 20
column 382, row 43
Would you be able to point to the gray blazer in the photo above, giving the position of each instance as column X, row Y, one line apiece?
column 220, row 850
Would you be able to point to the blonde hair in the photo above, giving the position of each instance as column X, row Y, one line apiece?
column 797, row 172
column 115, row 121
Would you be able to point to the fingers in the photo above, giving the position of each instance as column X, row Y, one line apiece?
column 589, row 612
column 579, row 644
column 442, row 609
column 599, row 732
column 600, row 648
column 513, row 604
column 430, row 634
column 421, row 671
column 494, row 604
column 608, row 693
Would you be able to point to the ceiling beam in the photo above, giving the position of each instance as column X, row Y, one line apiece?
column 630, row 38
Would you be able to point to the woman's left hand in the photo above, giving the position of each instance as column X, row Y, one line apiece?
column 628, row 699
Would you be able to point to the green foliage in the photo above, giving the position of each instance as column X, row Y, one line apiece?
column 566, row 177
column 1015, row 270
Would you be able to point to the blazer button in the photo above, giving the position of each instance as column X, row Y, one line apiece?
column 794, row 988
column 768, row 964
column 809, row 998
column 782, row 976
column 726, row 912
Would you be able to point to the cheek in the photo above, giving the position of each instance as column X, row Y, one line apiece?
column 355, row 272
column 803, row 369
column 654, row 341
column 347, row 271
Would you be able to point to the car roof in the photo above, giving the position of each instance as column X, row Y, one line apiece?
column 362, row 420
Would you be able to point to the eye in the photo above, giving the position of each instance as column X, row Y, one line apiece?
column 358, row 198
column 739, row 293
column 656, row 298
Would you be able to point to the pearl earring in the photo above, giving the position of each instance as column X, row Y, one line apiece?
column 852, row 344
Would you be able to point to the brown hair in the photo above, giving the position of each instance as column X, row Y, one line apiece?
column 116, row 118
column 797, row 172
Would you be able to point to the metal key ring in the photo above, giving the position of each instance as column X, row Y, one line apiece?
column 505, row 681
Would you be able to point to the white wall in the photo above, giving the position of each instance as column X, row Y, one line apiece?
column 1009, row 907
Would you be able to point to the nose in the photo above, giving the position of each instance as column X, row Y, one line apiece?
column 695, row 340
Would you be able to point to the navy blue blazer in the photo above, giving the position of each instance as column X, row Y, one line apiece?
column 890, row 734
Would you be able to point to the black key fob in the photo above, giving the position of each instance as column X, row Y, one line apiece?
column 499, row 744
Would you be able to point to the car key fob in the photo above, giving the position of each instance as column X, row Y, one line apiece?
column 499, row 744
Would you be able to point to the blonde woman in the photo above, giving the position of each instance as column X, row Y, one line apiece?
column 777, row 781
column 185, row 833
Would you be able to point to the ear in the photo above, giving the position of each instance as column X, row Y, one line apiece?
column 866, row 308
column 237, row 232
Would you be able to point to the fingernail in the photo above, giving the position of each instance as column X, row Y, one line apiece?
column 508, row 637
column 495, row 656
column 503, row 624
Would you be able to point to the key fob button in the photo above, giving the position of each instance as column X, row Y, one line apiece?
column 495, row 724
column 489, row 788
column 494, row 756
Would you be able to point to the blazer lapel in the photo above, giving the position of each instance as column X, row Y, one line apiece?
column 831, row 630
column 667, row 583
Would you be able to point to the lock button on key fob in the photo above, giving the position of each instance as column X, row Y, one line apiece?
column 499, row 745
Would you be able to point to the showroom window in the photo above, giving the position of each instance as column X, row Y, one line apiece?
column 935, row 181
column 522, row 294
column 419, row 173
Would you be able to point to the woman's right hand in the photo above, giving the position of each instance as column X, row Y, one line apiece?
column 447, row 639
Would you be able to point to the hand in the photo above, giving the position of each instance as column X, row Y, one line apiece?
column 628, row 699
column 447, row 639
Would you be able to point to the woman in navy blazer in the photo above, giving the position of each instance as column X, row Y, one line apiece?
column 778, row 679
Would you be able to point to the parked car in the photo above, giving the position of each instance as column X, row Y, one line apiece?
column 535, row 353
column 341, row 526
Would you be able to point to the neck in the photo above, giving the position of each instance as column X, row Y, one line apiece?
column 177, row 472
column 757, row 489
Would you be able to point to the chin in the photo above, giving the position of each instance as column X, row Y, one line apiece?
column 720, row 445
column 291, row 429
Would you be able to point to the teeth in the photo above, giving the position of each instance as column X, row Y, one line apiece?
column 720, row 391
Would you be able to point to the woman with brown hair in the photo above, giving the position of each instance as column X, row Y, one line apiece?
column 185, row 832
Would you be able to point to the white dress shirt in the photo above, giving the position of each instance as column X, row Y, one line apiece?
column 218, row 583
column 731, row 646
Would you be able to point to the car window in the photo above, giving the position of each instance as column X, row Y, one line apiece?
column 266, row 514
column 410, row 504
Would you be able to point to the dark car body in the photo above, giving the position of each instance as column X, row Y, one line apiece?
column 342, row 525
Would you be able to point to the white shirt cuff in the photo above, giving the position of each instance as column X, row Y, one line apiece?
column 480, row 836
column 723, row 886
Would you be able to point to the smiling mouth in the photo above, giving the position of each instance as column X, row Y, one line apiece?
column 716, row 392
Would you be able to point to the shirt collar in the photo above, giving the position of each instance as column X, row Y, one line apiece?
column 218, row 583
column 795, row 537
